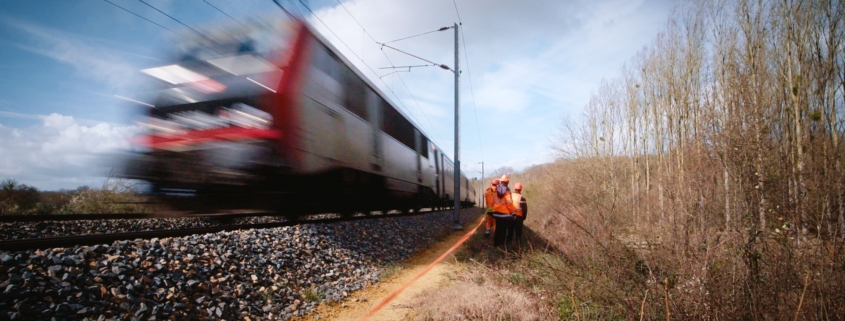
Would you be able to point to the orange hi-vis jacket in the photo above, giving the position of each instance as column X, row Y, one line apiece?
column 517, row 199
column 504, row 204
column 489, row 195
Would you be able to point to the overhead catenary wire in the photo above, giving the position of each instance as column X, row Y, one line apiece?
column 388, row 74
column 414, row 36
column 283, row 8
column 418, row 57
column 177, row 20
column 415, row 100
column 469, row 74
column 391, row 63
column 403, row 67
column 221, row 11
column 409, row 67
column 353, row 52
column 139, row 16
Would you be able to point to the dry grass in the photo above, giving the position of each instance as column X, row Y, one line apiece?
column 588, row 250
column 476, row 296
column 586, row 259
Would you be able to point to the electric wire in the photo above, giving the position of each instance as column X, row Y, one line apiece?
column 139, row 16
column 409, row 67
column 415, row 99
column 221, row 11
column 391, row 64
column 388, row 74
column 177, row 20
column 469, row 73
column 418, row 57
column 456, row 11
column 283, row 8
column 422, row 34
column 365, row 64
column 403, row 67
column 356, row 55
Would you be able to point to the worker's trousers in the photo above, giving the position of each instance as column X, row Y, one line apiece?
column 491, row 222
column 517, row 227
column 504, row 231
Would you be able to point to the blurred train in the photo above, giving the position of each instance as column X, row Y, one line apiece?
column 272, row 116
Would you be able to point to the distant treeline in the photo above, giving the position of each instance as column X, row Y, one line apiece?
column 116, row 196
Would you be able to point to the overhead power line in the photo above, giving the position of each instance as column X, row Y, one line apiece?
column 403, row 67
column 139, row 16
column 177, row 20
column 456, row 10
column 356, row 55
column 371, row 69
column 422, row 34
column 221, row 11
column 391, row 64
column 469, row 73
column 390, row 73
column 283, row 8
column 409, row 67
column 418, row 57
column 415, row 99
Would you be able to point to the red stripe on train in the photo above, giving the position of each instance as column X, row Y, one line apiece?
column 194, row 137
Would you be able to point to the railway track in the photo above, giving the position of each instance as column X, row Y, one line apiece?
column 80, row 240
column 121, row 216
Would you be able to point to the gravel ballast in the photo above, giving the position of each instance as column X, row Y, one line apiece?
column 261, row 274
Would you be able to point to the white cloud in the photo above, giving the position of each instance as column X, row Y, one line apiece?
column 60, row 152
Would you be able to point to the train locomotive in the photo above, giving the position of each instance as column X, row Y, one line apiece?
column 272, row 116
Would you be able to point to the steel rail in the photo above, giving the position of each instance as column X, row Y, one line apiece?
column 118, row 216
column 72, row 217
column 80, row 240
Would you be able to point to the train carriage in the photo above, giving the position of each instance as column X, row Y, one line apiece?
column 272, row 116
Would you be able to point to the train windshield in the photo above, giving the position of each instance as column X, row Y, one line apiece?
column 243, row 61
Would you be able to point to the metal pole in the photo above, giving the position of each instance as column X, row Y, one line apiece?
column 457, row 71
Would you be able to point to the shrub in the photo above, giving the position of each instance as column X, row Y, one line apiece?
column 116, row 196
column 17, row 198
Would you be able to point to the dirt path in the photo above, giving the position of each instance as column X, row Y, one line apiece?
column 360, row 302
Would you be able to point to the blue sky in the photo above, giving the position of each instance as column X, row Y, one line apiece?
column 532, row 63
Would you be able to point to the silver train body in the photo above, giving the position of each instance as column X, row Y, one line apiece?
column 273, row 117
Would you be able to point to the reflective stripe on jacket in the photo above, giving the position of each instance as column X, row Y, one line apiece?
column 504, row 204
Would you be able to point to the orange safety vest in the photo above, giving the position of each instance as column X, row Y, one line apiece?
column 489, row 195
column 517, row 198
column 503, row 205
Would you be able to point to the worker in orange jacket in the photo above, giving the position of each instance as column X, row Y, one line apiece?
column 521, row 205
column 503, row 211
column 489, row 194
